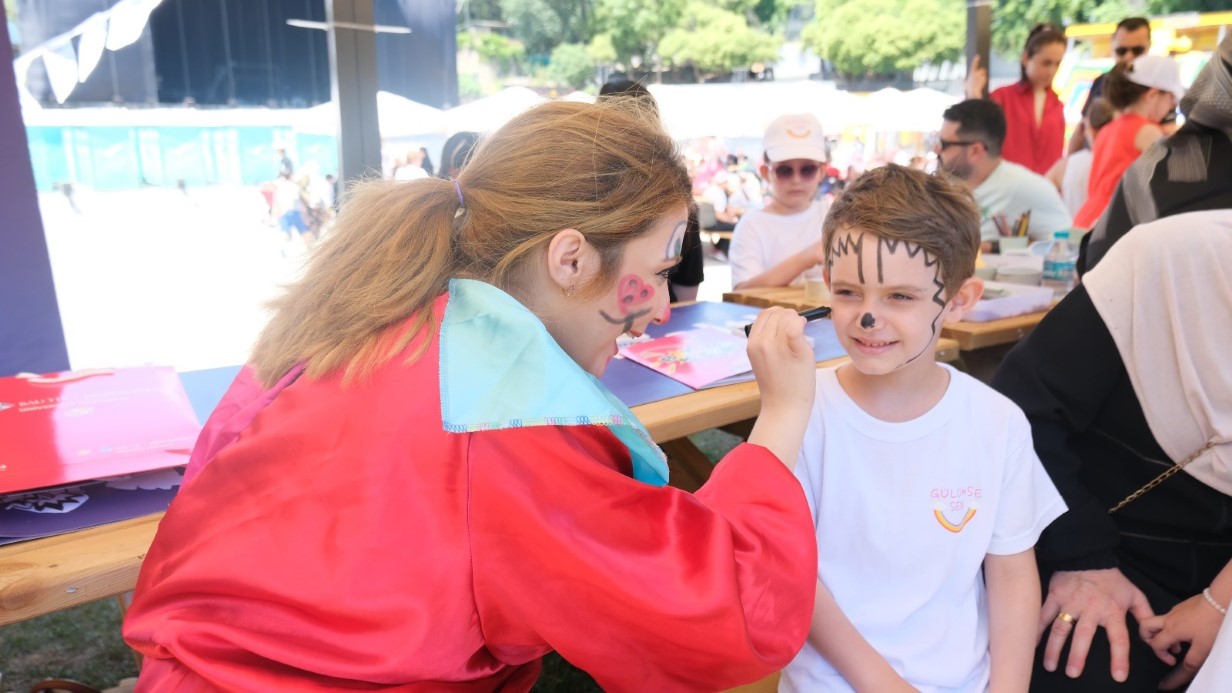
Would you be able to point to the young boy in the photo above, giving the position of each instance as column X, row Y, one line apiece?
column 924, row 485
column 775, row 245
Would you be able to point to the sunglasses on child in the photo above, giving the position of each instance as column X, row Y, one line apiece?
column 1136, row 50
column 806, row 171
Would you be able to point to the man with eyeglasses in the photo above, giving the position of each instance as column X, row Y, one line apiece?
column 1131, row 39
column 969, row 148
column 776, row 245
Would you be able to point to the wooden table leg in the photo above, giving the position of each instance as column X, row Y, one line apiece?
column 689, row 467
column 125, row 600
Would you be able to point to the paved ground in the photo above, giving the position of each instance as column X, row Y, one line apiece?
column 155, row 276
column 159, row 277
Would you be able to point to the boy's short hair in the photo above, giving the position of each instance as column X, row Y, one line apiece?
column 982, row 119
column 897, row 203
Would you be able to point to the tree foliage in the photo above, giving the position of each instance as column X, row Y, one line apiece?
column 1013, row 19
column 571, row 65
column 544, row 24
column 601, row 49
column 881, row 37
column 635, row 27
column 715, row 40
column 494, row 48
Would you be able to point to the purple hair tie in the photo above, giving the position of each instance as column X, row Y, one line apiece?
column 458, row 188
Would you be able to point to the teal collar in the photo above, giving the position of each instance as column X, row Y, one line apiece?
column 501, row 369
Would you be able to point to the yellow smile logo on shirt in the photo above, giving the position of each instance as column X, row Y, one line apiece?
column 950, row 526
column 955, row 499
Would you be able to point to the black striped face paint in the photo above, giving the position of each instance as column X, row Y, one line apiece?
column 882, row 283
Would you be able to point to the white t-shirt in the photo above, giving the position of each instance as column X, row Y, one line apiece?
column 1011, row 190
column 1074, row 182
column 717, row 196
column 763, row 239
column 905, row 514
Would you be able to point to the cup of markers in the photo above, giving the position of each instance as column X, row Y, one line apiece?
column 1012, row 236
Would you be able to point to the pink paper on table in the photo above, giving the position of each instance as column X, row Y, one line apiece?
column 697, row 358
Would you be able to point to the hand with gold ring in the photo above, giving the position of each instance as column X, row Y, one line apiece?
column 1077, row 605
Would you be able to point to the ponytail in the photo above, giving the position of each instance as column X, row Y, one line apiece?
column 388, row 257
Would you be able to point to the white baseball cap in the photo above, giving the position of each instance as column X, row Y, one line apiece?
column 1159, row 72
column 794, row 137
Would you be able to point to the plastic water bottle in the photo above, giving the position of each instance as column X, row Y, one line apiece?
column 1060, row 265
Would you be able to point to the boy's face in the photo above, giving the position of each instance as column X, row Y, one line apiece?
column 793, row 183
column 888, row 301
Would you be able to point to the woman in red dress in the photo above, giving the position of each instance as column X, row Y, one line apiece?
column 1034, row 116
column 419, row 483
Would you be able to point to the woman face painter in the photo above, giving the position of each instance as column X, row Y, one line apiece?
column 418, row 482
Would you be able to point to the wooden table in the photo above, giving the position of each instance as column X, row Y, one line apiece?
column 764, row 297
column 46, row 575
column 969, row 336
column 980, row 335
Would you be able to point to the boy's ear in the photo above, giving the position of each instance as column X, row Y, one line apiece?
column 965, row 298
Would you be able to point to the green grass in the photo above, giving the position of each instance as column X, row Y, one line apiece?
column 84, row 643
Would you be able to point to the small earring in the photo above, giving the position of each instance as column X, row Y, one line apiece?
column 569, row 291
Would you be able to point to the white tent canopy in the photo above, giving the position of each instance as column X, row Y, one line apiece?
column 918, row 110
column 397, row 116
column 745, row 109
column 490, row 112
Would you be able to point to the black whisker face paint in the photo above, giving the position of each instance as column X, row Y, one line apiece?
column 868, row 321
column 627, row 321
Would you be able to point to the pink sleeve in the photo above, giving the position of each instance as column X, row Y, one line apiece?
column 235, row 411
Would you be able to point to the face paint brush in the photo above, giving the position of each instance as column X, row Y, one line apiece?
column 809, row 315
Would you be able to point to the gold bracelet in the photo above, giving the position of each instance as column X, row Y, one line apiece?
column 1214, row 604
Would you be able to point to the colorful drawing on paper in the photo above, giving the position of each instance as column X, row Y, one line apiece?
column 697, row 358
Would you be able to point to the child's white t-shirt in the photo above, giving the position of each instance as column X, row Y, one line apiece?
column 905, row 513
column 763, row 239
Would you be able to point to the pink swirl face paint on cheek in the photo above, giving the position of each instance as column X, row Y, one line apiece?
column 633, row 292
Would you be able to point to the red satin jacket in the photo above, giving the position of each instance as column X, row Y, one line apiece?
column 342, row 539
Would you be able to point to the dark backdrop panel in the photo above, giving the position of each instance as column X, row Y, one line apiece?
column 126, row 75
column 422, row 65
column 240, row 52
column 243, row 52
column 31, row 338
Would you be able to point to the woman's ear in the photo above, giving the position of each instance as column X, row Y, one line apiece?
column 567, row 258
column 965, row 298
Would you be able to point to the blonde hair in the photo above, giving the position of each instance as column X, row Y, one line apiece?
column 897, row 203
column 608, row 170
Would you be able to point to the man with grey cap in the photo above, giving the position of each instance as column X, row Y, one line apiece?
column 1188, row 172
column 775, row 245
